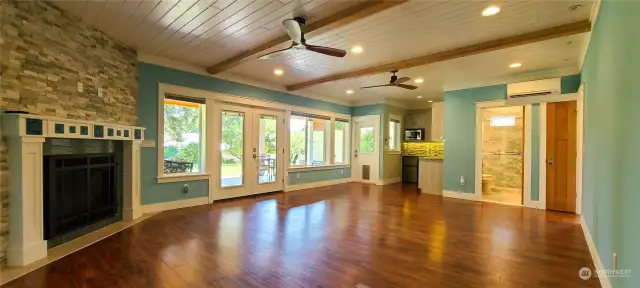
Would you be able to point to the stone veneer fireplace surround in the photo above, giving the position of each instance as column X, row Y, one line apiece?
column 25, row 137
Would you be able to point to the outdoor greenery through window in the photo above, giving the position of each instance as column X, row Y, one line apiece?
column 394, row 135
column 366, row 139
column 341, row 142
column 308, row 141
column 183, row 135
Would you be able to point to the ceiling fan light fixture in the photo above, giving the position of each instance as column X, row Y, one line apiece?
column 490, row 11
column 515, row 65
column 349, row 91
column 419, row 80
column 356, row 49
column 278, row 72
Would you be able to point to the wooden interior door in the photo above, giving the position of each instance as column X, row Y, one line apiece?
column 561, row 156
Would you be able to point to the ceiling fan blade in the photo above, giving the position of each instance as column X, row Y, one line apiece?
column 293, row 29
column 385, row 85
column 405, row 86
column 274, row 54
column 326, row 50
column 402, row 80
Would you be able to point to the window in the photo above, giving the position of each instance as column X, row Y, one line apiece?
column 503, row 121
column 394, row 135
column 308, row 139
column 183, row 135
column 341, row 141
column 366, row 140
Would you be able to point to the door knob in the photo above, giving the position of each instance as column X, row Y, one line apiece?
column 549, row 161
column 255, row 156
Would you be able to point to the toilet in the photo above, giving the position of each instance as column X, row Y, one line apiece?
column 487, row 183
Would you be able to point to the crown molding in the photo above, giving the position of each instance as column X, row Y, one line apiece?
column 170, row 63
column 537, row 75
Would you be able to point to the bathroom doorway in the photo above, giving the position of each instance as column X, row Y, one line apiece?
column 502, row 154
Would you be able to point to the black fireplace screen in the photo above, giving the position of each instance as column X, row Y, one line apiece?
column 79, row 190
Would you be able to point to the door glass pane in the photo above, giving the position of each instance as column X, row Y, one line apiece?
column 231, row 172
column 267, row 148
column 366, row 139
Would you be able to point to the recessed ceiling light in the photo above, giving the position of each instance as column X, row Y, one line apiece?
column 430, row 101
column 419, row 80
column 278, row 72
column 515, row 65
column 419, row 97
column 490, row 11
column 349, row 91
column 356, row 49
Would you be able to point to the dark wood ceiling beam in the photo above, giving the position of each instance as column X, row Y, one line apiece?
column 339, row 19
column 504, row 43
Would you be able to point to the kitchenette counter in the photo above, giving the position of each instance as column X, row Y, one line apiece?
column 430, row 175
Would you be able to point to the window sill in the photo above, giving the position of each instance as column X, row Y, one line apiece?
column 394, row 152
column 323, row 167
column 182, row 177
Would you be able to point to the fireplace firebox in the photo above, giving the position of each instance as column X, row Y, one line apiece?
column 79, row 190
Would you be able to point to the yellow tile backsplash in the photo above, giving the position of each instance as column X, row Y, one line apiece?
column 423, row 149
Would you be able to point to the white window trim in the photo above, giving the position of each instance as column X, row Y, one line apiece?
column 212, row 97
column 204, row 166
column 398, row 133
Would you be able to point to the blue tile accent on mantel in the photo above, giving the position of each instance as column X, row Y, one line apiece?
column 34, row 126
column 137, row 134
column 59, row 128
column 110, row 132
column 72, row 129
column 98, row 131
column 126, row 133
column 84, row 130
column 119, row 133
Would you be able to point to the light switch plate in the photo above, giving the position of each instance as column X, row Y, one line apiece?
column 80, row 87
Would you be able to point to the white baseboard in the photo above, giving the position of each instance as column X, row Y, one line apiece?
column 604, row 279
column 531, row 204
column 316, row 184
column 391, row 181
column 461, row 195
column 158, row 207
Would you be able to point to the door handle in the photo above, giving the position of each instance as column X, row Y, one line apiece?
column 549, row 161
column 255, row 156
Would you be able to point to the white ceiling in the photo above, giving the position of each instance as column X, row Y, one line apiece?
column 206, row 32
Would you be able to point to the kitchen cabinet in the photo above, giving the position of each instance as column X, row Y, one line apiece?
column 430, row 175
column 417, row 119
column 436, row 127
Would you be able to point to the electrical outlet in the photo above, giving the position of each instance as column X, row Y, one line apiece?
column 185, row 188
column 615, row 261
column 341, row 171
column 462, row 183
column 80, row 87
column 298, row 175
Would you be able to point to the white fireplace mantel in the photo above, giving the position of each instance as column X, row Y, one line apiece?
column 25, row 136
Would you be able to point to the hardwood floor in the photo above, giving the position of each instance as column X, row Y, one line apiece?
column 337, row 236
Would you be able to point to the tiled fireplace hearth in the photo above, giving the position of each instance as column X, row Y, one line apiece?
column 25, row 136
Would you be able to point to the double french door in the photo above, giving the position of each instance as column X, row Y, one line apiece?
column 251, row 152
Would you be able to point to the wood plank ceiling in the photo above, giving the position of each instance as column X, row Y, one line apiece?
column 207, row 32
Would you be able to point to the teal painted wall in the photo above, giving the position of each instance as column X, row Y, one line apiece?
column 149, row 76
column 460, row 126
column 535, row 152
column 459, row 131
column 612, row 139
column 318, row 175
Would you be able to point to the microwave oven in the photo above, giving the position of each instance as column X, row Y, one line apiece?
column 414, row 134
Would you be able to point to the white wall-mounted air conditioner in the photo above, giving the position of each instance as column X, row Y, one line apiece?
column 534, row 88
